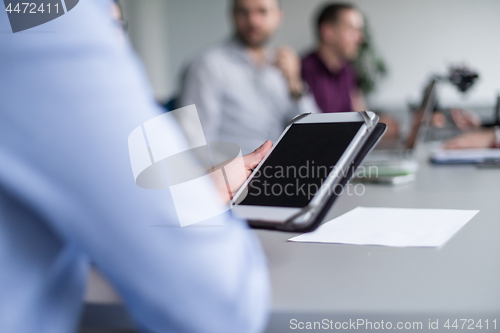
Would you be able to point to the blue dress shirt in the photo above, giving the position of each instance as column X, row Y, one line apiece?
column 71, row 91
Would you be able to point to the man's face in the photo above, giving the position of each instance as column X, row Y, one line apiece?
column 256, row 21
column 346, row 35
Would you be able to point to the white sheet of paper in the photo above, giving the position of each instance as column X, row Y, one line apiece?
column 398, row 227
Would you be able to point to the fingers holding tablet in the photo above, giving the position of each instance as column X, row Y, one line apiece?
column 253, row 159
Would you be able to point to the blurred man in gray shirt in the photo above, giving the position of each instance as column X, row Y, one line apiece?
column 246, row 92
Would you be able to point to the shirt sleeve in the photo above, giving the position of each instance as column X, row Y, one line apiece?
column 306, row 104
column 69, row 101
column 201, row 87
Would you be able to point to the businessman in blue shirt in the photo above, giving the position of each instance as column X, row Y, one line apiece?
column 70, row 94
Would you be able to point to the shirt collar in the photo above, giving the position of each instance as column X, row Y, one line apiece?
column 240, row 52
column 323, row 65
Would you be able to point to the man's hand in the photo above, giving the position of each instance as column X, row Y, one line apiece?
column 472, row 140
column 237, row 172
column 289, row 64
column 465, row 119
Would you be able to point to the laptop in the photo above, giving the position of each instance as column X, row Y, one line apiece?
column 395, row 160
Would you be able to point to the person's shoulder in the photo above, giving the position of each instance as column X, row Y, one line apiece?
column 213, row 56
column 309, row 57
column 310, row 60
column 311, row 66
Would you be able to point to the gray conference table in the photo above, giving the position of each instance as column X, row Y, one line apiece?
column 345, row 283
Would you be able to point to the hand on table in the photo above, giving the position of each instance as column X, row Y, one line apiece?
column 465, row 119
column 472, row 140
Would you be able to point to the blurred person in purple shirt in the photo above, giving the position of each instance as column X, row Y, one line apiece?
column 333, row 80
column 327, row 70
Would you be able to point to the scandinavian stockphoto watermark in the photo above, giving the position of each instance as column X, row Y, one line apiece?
column 307, row 179
column 25, row 15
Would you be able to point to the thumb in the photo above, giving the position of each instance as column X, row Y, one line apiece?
column 253, row 159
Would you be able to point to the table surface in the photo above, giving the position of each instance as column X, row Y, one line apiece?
column 461, row 277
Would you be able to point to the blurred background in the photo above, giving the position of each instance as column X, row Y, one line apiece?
column 414, row 38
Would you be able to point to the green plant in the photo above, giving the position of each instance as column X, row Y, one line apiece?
column 369, row 65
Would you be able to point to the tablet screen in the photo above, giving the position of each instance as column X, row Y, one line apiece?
column 299, row 164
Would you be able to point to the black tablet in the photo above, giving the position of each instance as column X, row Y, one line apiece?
column 307, row 165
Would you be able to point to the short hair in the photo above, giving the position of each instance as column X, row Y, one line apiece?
column 331, row 14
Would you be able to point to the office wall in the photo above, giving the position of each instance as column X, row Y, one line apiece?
column 148, row 30
column 415, row 37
